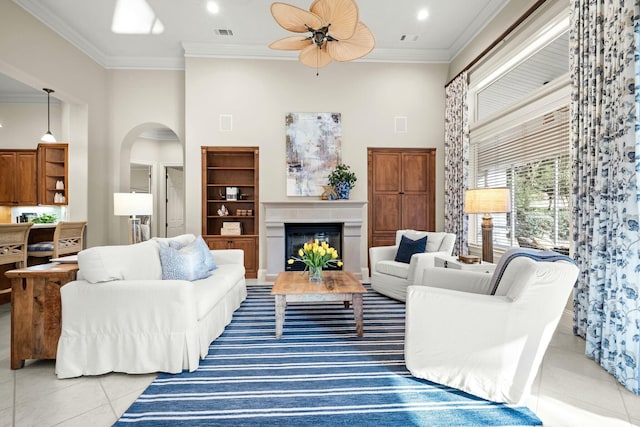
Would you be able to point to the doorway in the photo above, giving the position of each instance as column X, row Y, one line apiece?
column 174, row 201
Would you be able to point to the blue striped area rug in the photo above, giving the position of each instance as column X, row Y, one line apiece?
column 319, row 374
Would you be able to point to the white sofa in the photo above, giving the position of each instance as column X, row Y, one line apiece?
column 463, row 334
column 391, row 278
column 121, row 316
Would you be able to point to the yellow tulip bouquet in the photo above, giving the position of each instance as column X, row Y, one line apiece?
column 316, row 255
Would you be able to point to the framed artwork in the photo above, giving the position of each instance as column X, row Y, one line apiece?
column 314, row 143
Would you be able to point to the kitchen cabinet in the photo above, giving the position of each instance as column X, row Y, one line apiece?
column 53, row 179
column 18, row 178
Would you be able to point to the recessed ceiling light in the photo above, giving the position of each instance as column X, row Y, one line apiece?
column 423, row 14
column 213, row 8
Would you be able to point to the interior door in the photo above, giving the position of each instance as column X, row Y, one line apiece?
column 174, row 207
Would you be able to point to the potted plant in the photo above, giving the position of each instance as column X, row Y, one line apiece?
column 343, row 180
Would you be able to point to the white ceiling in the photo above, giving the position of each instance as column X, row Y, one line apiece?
column 191, row 31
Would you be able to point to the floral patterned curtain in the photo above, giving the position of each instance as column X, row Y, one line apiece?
column 456, row 160
column 605, row 138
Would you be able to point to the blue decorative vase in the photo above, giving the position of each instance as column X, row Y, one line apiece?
column 343, row 188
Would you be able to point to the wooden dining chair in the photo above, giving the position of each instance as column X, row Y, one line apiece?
column 13, row 246
column 68, row 239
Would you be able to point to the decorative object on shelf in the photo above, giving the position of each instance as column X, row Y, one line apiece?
column 59, row 185
column 313, row 146
column 48, row 136
column 343, row 180
column 334, row 27
column 232, row 193
column 316, row 255
column 487, row 201
column 59, row 198
column 329, row 193
column 223, row 211
column 133, row 205
column 223, row 195
column 231, row 229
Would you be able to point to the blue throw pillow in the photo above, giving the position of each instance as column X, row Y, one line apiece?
column 186, row 263
column 208, row 258
column 409, row 247
column 201, row 245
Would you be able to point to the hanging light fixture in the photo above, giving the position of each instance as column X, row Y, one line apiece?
column 48, row 137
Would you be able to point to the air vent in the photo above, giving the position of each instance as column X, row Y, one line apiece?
column 223, row 32
column 409, row 38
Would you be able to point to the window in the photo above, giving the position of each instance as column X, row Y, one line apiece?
column 532, row 159
column 519, row 132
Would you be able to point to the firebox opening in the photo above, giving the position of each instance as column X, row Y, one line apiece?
column 296, row 235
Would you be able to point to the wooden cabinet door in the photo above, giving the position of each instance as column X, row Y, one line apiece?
column 385, row 201
column 401, row 192
column 26, row 178
column 18, row 178
column 247, row 244
column 7, row 178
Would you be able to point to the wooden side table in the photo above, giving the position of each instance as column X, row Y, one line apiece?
column 35, row 310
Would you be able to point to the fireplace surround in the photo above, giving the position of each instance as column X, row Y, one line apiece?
column 346, row 212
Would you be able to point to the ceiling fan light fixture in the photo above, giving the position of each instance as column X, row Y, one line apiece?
column 333, row 28
column 48, row 136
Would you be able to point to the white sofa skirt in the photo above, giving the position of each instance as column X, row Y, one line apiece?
column 143, row 326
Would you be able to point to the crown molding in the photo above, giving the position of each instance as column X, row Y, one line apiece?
column 49, row 19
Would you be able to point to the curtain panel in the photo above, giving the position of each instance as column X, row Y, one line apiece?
column 604, row 142
column 456, row 160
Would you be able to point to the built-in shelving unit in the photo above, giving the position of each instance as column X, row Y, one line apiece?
column 53, row 174
column 230, row 201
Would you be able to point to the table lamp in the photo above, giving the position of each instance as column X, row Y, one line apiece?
column 132, row 204
column 487, row 201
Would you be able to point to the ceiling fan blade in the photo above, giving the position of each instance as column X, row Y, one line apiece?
column 291, row 43
column 357, row 46
column 314, row 57
column 293, row 18
column 341, row 14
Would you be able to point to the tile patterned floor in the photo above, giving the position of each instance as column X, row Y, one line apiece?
column 570, row 390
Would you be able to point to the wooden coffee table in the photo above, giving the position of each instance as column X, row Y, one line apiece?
column 293, row 286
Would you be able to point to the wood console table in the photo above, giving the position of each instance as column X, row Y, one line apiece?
column 36, row 310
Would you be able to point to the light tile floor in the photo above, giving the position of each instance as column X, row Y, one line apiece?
column 570, row 390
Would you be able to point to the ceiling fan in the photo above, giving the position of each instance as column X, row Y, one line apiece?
column 333, row 27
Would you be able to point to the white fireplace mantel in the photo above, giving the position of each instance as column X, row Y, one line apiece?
column 349, row 213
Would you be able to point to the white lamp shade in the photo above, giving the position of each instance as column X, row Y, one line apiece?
column 127, row 204
column 487, row 200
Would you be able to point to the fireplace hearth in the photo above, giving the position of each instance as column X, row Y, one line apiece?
column 297, row 234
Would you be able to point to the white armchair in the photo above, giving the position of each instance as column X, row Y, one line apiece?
column 390, row 277
column 491, row 346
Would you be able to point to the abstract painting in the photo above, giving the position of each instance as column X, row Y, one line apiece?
column 314, row 143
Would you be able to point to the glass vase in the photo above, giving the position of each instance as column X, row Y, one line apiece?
column 315, row 274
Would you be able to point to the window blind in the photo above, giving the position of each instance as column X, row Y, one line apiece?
column 532, row 159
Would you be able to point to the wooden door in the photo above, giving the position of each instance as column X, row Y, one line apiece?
column 401, row 192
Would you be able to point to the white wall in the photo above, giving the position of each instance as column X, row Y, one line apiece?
column 24, row 124
column 33, row 54
column 258, row 94
column 138, row 101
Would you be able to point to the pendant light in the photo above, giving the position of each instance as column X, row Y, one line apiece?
column 48, row 137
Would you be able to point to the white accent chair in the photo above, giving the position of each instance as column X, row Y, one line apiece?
column 391, row 278
column 491, row 346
